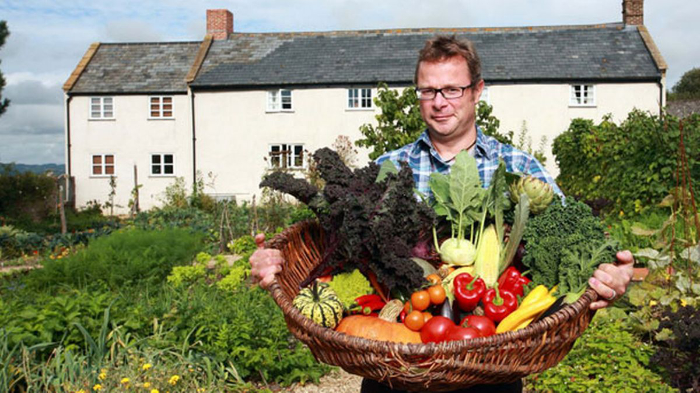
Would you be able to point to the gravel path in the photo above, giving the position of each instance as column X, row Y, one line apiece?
column 337, row 381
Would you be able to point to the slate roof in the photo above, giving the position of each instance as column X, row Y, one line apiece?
column 138, row 68
column 607, row 52
column 592, row 53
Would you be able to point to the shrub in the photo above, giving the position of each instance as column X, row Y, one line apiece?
column 125, row 257
column 679, row 355
column 606, row 358
column 26, row 196
column 626, row 168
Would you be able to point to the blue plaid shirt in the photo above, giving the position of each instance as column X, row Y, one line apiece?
column 423, row 159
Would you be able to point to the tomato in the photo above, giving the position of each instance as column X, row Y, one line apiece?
column 458, row 333
column 481, row 323
column 420, row 300
column 434, row 279
column 427, row 316
column 414, row 320
column 437, row 294
column 407, row 308
column 436, row 329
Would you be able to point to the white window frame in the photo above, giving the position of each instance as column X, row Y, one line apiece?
column 161, row 165
column 160, row 109
column 290, row 158
column 97, row 108
column 359, row 99
column 277, row 99
column 587, row 97
column 102, row 165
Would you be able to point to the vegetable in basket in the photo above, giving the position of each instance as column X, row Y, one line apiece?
column 320, row 304
column 370, row 220
column 384, row 328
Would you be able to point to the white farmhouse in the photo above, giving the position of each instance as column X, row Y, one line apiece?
column 234, row 104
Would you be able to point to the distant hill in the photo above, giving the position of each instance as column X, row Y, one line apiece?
column 57, row 169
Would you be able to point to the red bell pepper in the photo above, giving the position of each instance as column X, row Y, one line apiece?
column 468, row 291
column 511, row 280
column 498, row 304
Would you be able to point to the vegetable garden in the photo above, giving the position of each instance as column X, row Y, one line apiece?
column 164, row 300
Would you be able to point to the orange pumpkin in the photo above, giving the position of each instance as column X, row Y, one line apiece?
column 382, row 328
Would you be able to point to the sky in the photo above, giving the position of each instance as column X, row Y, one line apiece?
column 49, row 37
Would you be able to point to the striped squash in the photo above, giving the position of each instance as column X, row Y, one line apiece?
column 321, row 304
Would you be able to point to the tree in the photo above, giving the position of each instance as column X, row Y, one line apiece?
column 4, row 32
column 688, row 87
column 400, row 122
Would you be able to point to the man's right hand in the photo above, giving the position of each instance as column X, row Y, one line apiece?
column 265, row 262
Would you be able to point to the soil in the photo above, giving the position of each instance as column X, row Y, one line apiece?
column 337, row 381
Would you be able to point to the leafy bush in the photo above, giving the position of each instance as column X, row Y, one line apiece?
column 679, row 354
column 606, row 358
column 190, row 218
column 625, row 168
column 26, row 196
column 125, row 257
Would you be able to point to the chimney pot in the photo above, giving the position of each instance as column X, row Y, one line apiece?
column 219, row 24
column 633, row 12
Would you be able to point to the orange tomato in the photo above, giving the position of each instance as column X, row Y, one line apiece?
column 414, row 320
column 426, row 316
column 433, row 278
column 437, row 294
column 420, row 300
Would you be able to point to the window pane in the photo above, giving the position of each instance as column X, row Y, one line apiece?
column 168, row 169
column 155, row 114
column 95, row 101
column 167, row 114
column 107, row 115
column 155, row 159
column 109, row 159
column 109, row 170
column 155, row 107
column 96, row 170
column 155, row 169
column 155, row 100
column 167, row 106
column 168, row 158
column 107, row 100
column 167, row 100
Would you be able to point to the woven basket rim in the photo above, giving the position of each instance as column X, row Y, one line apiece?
column 448, row 347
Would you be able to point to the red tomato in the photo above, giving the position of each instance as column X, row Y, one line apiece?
column 436, row 329
column 461, row 333
column 484, row 325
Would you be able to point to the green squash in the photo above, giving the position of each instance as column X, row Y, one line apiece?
column 321, row 304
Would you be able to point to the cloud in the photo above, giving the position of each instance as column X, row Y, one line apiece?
column 34, row 119
column 130, row 31
column 36, row 149
column 33, row 92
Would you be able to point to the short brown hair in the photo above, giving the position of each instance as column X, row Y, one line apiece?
column 444, row 47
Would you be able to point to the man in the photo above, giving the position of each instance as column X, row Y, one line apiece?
column 449, row 85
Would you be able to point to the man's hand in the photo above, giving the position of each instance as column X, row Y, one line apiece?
column 611, row 281
column 265, row 262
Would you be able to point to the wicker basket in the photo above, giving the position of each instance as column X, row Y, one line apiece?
column 445, row 366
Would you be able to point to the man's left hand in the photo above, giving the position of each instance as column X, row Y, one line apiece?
column 611, row 280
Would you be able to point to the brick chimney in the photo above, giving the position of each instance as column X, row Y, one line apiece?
column 219, row 23
column 633, row 12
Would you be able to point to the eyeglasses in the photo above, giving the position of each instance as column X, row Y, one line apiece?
column 449, row 92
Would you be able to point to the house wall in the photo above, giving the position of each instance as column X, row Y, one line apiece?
column 131, row 137
column 234, row 132
column 546, row 111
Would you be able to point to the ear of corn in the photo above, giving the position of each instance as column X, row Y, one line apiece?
column 488, row 255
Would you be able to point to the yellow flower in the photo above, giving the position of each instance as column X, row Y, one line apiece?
column 81, row 391
column 155, row 391
column 146, row 385
column 173, row 380
column 97, row 387
column 683, row 303
column 201, row 390
column 652, row 303
column 146, row 366
column 125, row 381
column 102, row 376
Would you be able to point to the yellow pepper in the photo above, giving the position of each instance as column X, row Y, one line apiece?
column 532, row 306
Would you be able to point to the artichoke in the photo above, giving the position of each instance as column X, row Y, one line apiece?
column 539, row 193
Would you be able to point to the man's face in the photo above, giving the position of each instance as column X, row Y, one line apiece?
column 448, row 119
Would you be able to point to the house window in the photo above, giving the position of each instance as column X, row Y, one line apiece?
column 161, row 107
column 286, row 156
column 103, row 165
column 279, row 100
column 359, row 98
column 582, row 95
column 162, row 165
column 101, row 107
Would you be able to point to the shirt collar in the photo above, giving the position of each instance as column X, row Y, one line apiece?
column 481, row 144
